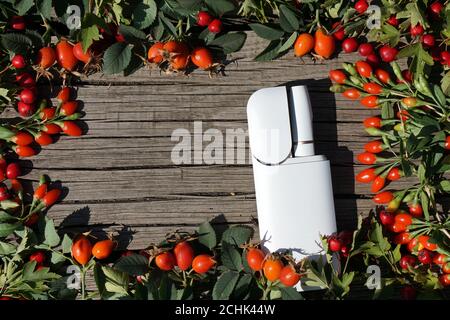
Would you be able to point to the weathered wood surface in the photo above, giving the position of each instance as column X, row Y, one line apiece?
column 120, row 175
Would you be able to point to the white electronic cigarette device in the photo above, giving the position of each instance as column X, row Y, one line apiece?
column 294, row 193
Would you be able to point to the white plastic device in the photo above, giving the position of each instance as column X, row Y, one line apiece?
column 294, row 193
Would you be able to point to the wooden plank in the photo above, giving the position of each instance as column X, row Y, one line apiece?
column 120, row 175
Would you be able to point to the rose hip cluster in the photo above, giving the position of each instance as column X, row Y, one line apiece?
column 417, row 250
column 275, row 268
column 45, row 122
column 341, row 243
column 204, row 19
column 386, row 53
column 12, row 197
column 174, row 56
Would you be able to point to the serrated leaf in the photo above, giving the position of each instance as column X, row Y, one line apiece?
column 144, row 14
column 241, row 288
column 230, row 257
column 7, row 228
column 23, row 6
column 134, row 265
column 44, row 7
column 51, row 236
column 16, row 42
column 116, row 58
column 66, row 245
column 130, row 33
column 266, row 32
column 230, row 42
column 237, row 235
column 290, row 294
column 220, row 7
column 6, row 248
column 225, row 285
column 207, row 235
column 115, row 280
column 288, row 19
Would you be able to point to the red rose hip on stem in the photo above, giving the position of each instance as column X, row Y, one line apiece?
column 361, row 6
column 215, row 26
column 203, row 18
column 18, row 61
column 349, row 45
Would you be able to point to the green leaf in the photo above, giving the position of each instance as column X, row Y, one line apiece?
column 44, row 7
column 134, row 265
column 225, row 285
column 241, row 290
column 66, row 245
column 116, row 58
column 16, row 42
column 445, row 83
column 439, row 95
column 115, row 280
column 23, row 6
column 4, row 216
column 8, row 204
column 207, row 235
column 168, row 25
column 89, row 30
column 288, row 43
column 445, row 185
column 288, row 19
column 130, row 33
column 6, row 248
column 7, row 228
column 266, row 32
column 425, row 204
column 230, row 257
column 237, row 235
column 220, row 7
column 144, row 14
column 290, row 294
column 270, row 52
column 230, row 42
column 51, row 236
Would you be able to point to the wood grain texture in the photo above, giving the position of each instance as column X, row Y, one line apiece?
column 120, row 176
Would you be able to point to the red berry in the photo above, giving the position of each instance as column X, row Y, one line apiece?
column 18, row 61
column 18, row 23
column 436, row 8
column 445, row 57
column 428, row 40
column 373, row 60
column 361, row 6
column 339, row 32
column 349, row 45
column 345, row 251
column 25, row 109
column 387, row 218
column 365, row 49
column 13, row 170
column 203, row 18
column 215, row 26
column 27, row 96
column 425, row 256
column 416, row 30
column 38, row 256
column 407, row 261
column 393, row 21
column 407, row 75
column 25, row 80
column 334, row 244
column 387, row 53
